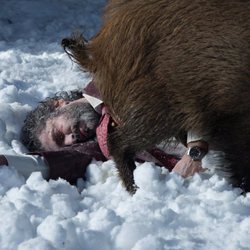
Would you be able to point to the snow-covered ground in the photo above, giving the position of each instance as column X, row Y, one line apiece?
column 167, row 212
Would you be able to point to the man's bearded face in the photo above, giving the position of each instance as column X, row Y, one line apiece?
column 72, row 122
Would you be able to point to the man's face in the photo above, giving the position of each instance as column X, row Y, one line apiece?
column 72, row 122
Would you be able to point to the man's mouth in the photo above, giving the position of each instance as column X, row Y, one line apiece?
column 78, row 132
column 84, row 133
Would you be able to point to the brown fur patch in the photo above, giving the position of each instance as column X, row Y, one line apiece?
column 164, row 67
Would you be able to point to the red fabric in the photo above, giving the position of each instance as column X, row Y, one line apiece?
column 102, row 128
column 71, row 162
column 69, row 165
column 102, row 132
column 155, row 155
column 167, row 161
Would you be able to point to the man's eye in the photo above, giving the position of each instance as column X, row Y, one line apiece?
column 66, row 103
column 58, row 137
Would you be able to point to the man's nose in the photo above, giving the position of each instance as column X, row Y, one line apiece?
column 70, row 139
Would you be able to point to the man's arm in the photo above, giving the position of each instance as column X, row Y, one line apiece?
column 26, row 164
column 69, row 165
column 191, row 162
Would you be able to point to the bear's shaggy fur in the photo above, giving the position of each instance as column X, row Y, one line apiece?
column 164, row 67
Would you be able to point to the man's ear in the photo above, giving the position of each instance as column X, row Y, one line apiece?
column 76, row 48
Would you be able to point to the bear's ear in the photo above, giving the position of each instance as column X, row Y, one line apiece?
column 76, row 48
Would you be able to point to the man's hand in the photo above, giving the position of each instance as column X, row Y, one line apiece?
column 187, row 166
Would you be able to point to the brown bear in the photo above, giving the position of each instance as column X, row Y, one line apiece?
column 164, row 67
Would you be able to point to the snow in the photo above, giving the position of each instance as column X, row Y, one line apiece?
column 167, row 212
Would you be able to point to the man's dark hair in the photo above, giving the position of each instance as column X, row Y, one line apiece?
column 36, row 119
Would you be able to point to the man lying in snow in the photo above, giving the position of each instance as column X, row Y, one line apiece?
column 64, row 133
